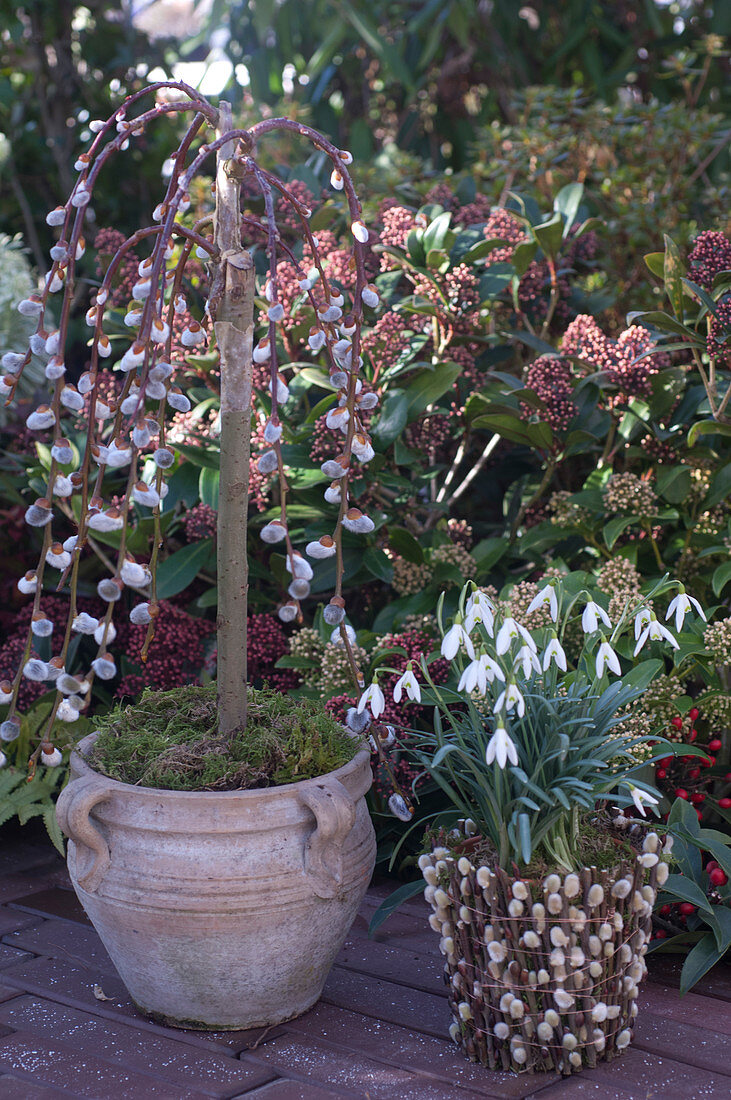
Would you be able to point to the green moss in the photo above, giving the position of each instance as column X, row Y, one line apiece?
column 169, row 739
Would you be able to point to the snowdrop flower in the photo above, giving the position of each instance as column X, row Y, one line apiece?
column 373, row 697
column 508, row 699
column 680, row 606
column 528, row 660
column 510, row 630
column 479, row 613
column 409, row 684
column 473, row 678
column 606, row 657
column 548, row 596
column 642, row 798
column 642, row 618
column 501, row 748
column 455, row 637
column 554, row 652
column 656, row 632
column 591, row 616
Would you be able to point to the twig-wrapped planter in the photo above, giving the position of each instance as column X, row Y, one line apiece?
column 543, row 976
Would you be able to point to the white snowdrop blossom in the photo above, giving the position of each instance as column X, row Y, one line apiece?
column 500, row 748
column 409, row 684
column 554, row 652
column 374, row 698
column 680, row 606
column 642, row 798
column 607, row 658
column 548, row 596
column 655, row 632
column 591, row 615
column 527, row 660
column 508, row 632
column 508, row 699
column 642, row 618
column 455, row 637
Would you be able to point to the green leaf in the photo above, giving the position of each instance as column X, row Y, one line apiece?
column 429, row 387
column 488, row 552
column 393, row 418
column 720, row 489
column 496, row 278
column 665, row 323
column 703, row 956
column 567, row 203
column 550, row 234
column 616, row 527
column 707, row 427
column 673, row 483
column 436, row 232
column 523, row 256
column 673, row 272
column 721, row 577
column 526, row 843
column 687, row 890
column 656, row 263
column 392, row 902
column 377, row 564
column 181, row 568
column 404, row 544
column 208, row 487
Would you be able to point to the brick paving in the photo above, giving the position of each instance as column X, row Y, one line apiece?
column 68, row 1027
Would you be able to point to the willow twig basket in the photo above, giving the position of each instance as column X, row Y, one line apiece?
column 543, row 976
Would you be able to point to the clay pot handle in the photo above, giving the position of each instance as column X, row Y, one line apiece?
column 74, row 805
column 334, row 812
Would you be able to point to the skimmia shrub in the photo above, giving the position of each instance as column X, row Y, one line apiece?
column 106, row 429
column 528, row 732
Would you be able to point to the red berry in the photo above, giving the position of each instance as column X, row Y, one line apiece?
column 680, row 792
column 711, row 864
column 686, row 908
column 661, row 773
column 692, row 736
column 715, row 745
column 709, row 762
column 718, row 877
column 700, row 814
column 725, row 803
column 694, row 773
column 677, row 721
column 693, row 713
column 664, row 910
column 697, row 797
column 661, row 934
column 727, row 777
column 666, row 762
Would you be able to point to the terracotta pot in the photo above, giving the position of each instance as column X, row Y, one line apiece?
column 543, row 976
column 220, row 909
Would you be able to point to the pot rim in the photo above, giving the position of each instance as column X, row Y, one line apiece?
column 77, row 756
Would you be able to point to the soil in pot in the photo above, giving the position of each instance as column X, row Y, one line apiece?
column 543, row 970
column 169, row 740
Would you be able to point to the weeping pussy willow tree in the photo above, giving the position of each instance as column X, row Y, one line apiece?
column 128, row 436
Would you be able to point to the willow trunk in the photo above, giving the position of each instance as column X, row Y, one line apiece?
column 232, row 309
